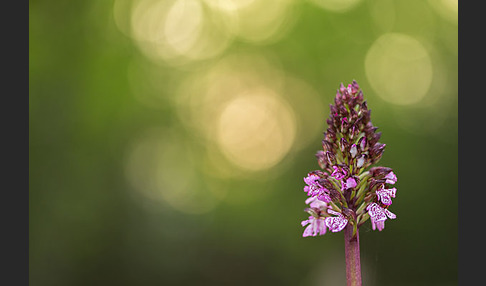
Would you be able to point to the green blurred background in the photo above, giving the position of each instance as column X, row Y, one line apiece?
column 169, row 139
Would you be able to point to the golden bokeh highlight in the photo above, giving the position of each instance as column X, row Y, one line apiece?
column 203, row 95
column 399, row 69
column 257, row 21
column 256, row 129
column 251, row 110
column 175, row 32
column 180, row 32
column 229, row 5
column 183, row 25
column 449, row 9
column 262, row 21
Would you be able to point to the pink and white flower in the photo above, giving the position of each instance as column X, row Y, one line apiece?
column 315, row 226
column 337, row 223
column 385, row 195
column 378, row 215
column 314, row 189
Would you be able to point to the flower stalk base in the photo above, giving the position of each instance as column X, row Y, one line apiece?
column 353, row 263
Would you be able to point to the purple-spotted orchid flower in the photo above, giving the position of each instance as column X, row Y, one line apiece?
column 349, row 190
column 316, row 223
column 314, row 189
column 385, row 195
column 320, row 218
column 378, row 215
column 336, row 223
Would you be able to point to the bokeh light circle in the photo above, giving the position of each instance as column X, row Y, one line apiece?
column 446, row 8
column 399, row 68
column 256, row 129
column 177, row 32
column 251, row 110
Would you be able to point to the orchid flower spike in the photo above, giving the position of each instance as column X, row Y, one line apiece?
column 348, row 189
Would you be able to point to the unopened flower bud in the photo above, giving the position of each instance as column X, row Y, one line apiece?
column 362, row 143
column 376, row 152
column 375, row 183
column 343, row 144
column 354, row 87
column 353, row 151
column 334, row 194
column 331, row 159
column 318, row 173
column 353, row 131
column 325, row 183
column 330, row 134
column 342, row 88
column 375, row 138
column 321, row 159
column 379, row 172
column 349, row 214
column 361, row 160
column 327, row 146
column 312, row 212
column 391, row 178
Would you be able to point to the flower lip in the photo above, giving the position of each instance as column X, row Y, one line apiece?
column 378, row 215
column 391, row 178
column 336, row 224
column 385, row 195
column 350, row 183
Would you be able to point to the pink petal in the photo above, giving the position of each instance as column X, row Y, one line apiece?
column 384, row 196
column 325, row 198
column 390, row 214
column 310, row 179
column 310, row 200
column 350, row 183
column 380, row 225
column 308, row 231
column 322, row 228
column 333, row 212
column 307, row 189
column 318, row 204
column 391, row 178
